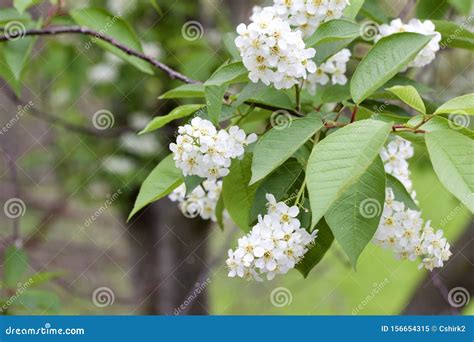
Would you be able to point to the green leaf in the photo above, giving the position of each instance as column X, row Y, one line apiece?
column 177, row 113
column 192, row 182
column 455, row 35
column 115, row 27
column 452, row 156
column 214, row 97
column 164, row 178
column 229, row 43
column 355, row 216
column 462, row 6
column 400, row 192
column 15, row 264
column 315, row 254
column 431, row 9
column 238, row 194
column 23, row 5
column 386, row 58
column 272, row 97
column 11, row 14
column 331, row 37
column 227, row 74
column 410, row 96
column 184, row 91
column 248, row 92
column 44, row 277
column 278, row 184
column 39, row 299
column 459, row 105
column 340, row 159
column 220, row 212
column 353, row 9
column 372, row 10
column 333, row 30
column 279, row 144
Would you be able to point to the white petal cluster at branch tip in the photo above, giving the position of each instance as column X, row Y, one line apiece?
column 273, row 246
column 204, row 151
column 401, row 230
column 272, row 52
column 333, row 70
column 201, row 201
column 395, row 156
column 307, row 15
column 428, row 54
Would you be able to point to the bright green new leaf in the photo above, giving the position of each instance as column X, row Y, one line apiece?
column 386, row 58
column 340, row 159
column 238, row 194
column 117, row 28
column 355, row 216
column 15, row 264
column 410, row 96
column 316, row 253
column 279, row 143
column 459, row 105
column 164, row 178
column 227, row 74
column 177, row 113
column 452, row 156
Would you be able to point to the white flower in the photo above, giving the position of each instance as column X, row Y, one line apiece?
column 272, row 52
column 202, row 201
column 425, row 56
column 401, row 230
column 273, row 246
column 203, row 151
column 103, row 73
column 333, row 69
column 307, row 15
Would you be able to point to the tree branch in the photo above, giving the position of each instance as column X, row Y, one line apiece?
column 57, row 30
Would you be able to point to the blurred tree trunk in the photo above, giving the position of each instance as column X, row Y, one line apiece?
column 430, row 298
column 168, row 253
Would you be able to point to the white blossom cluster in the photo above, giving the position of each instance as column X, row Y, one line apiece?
column 272, row 52
column 401, row 230
column 395, row 156
column 201, row 201
column 333, row 70
column 307, row 15
column 428, row 54
column 273, row 246
column 204, row 151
